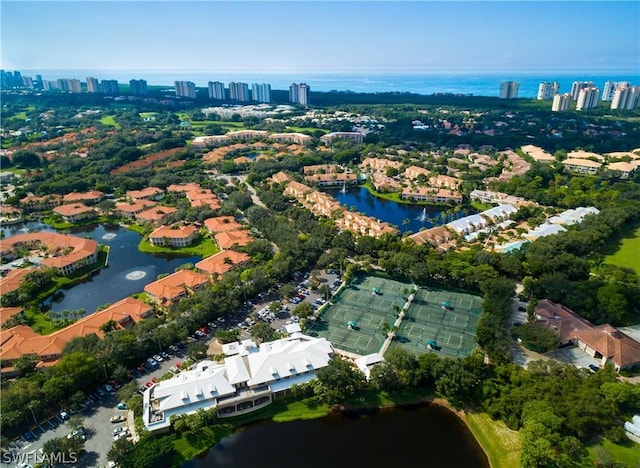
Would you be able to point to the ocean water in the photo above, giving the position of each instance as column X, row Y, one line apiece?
column 478, row 84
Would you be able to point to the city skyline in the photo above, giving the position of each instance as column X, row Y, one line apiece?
column 284, row 37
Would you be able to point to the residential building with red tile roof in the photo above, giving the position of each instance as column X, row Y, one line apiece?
column 365, row 225
column 379, row 164
column 36, row 203
column 320, row 169
column 413, row 172
column 173, row 236
column 155, row 215
column 297, row 190
column 90, row 198
column 329, row 138
column 439, row 237
column 64, row 252
column 189, row 187
column 203, row 197
column 332, row 180
column 431, row 195
column 75, row 212
column 602, row 342
column 242, row 160
column 229, row 239
column 130, row 210
column 11, row 281
column 298, row 138
column 218, row 264
column 222, row 223
column 280, row 177
column 444, row 181
column 171, row 288
column 22, row 340
column 7, row 313
column 148, row 193
column 581, row 166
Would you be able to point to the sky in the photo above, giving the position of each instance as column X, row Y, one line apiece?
column 329, row 36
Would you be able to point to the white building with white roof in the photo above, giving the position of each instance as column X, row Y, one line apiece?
column 500, row 212
column 467, row 224
column 249, row 378
column 571, row 217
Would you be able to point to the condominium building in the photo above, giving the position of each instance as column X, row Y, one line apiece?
column 509, row 90
column 547, row 90
column 588, row 98
column 185, row 89
column 626, row 97
column 579, row 85
column 610, row 89
column 216, row 90
column 239, row 91
column 138, row 87
column 110, row 87
column 69, row 84
column 299, row 93
column 93, row 85
column 561, row 102
column 261, row 92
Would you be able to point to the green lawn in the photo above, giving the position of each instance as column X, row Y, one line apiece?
column 501, row 444
column 190, row 444
column 628, row 251
column 204, row 247
column 109, row 120
column 628, row 454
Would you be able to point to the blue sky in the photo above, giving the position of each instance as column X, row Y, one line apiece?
column 274, row 36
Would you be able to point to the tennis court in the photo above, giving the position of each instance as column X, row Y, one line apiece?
column 445, row 317
column 368, row 302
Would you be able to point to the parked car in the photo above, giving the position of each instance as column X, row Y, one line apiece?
column 108, row 388
column 122, row 405
column 78, row 433
column 593, row 367
column 152, row 362
column 63, row 415
column 158, row 358
column 118, row 418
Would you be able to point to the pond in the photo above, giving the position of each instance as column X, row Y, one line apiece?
column 128, row 270
column 419, row 216
column 423, row 435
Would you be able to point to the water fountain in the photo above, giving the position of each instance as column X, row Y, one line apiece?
column 423, row 216
column 136, row 275
column 344, row 189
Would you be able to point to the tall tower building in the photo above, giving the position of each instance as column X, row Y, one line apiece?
column 561, row 102
column 547, row 90
column 261, row 92
column 239, row 91
column 70, row 85
column 509, row 90
column 299, row 93
column 588, row 98
column 110, row 87
column 138, row 87
column 216, row 90
column 610, row 88
column 93, row 86
column 580, row 85
column 626, row 97
column 185, row 89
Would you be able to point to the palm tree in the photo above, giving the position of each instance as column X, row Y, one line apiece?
column 406, row 222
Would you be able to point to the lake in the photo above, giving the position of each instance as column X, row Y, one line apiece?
column 416, row 436
column 419, row 216
column 128, row 270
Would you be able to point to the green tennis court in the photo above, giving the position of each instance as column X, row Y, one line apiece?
column 449, row 318
column 369, row 302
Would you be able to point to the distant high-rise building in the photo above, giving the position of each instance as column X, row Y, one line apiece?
column 11, row 80
column 579, row 85
column 93, row 85
column 610, row 88
column 138, row 87
column 38, row 83
column 216, row 90
column 626, row 97
column 547, row 90
column 70, row 85
column 185, row 89
column 561, row 102
column 27, row 82
column 509, row 90
column 299, row 93
column 261, row 92
column 588, row 98
column 239, row 92
column 110, row 87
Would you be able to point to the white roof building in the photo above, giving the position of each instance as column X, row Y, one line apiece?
column 571, row 217
column 467, row 224
column 365, row 363
column 246, row 380
column 500, row 212
column 543, row 230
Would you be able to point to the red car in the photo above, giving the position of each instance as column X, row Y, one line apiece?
column 149, row 384
column 154, row 379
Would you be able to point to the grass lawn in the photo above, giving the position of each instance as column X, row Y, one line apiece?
column 39, row 322
column 501, row 444
column 192, row 444
column 628, row 454
column 204, row 247
column 109, row 120
column 628, row 251
column 480, row 206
